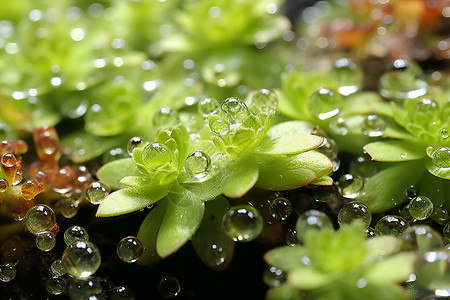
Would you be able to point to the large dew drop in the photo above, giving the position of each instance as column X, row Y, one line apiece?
column 208, row 106
column 45, row 241
column 218, row 125
column 312, row 220
column 129, row 249
column 7, row 272
column 373, row 125
column 156, row 155
column 391, row 225
column 350, row 186
column 280, row 208
column 198, row 164
column 235, row 110
column 75, row 234
column 81, row 259
column 166, row 117
column 97, row 192
column 348, row 75
column 420, row 207
column 264, row 100
column 57, row 268
column 55, row 285
column 169, row 287
column 324, row 103
column 420, row 238
column 441, row 157
column 135, row 142
column 242, row 223
column 353, row 211
column 40, row 218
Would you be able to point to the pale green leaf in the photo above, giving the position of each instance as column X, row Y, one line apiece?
column 134, row 181
column 323, row 180
column 290, row 128
column 241, row 177
column 397, row 268
column 380, row 246
column 390, row 151
column 443, row 173
column 284, row 292
column 286, row 258
column 114, row 171
column 290, row 144
column 308, row 278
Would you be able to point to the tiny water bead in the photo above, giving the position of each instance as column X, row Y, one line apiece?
column 135, row 142
column 235, row 110
column 352, row 211
column 198, row 164
column 350, row 186
column 263, row 100
column 338, row 126
column 40, row 218
column 166, row 117
column 45, row 241
column 324, row 103
column 444, row 133
column 129, row 249
column 280, row 208
column 156, row 155
column 208, row 106
column 312, row 220
column 441, row 157
column 81, row 259
column 373, row 126
column 242, row 223
column 75, row 234
column 391, row 225
column 420, row 238
column 421, row 207
column 273, row 276
column 55, row 285
column 97, row 192
column 121, row 293
column 57, row 268
column 7, row 272
column 291, row 238
column 169, row 287
column 349, row 76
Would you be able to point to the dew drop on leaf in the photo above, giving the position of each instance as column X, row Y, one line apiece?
column 129, row 249
column 441, row 157
column 350, row 186
column 324, row 193
column 273, row 276
column 291, row 238
column 242, row 223
column 156, row 155
column 353, row 211
column 3, row 185
column 444, row 134
column 166, row 117
column 208, row 106
column 218, row 125
column 280, row 208
column 45, row 241
column 75, row 234
column 420, row 207
column 373, row 125
column 312, row 220
column 391, row 225
column 235, row 110
column 263, row 100
column 57, row 268
column 198, row 164
column 40, row 218
column 363, row 167
column 338, row 126
column 81, row 259
column 97, row 192
column 135, row 142
column 7, row 272
column 169, row 287
column 55, row 285
column 324, row 103
column 421, row 238
column 348, row 75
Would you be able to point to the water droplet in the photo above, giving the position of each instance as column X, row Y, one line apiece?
column 350, row 186
column 64, row 179
column 235, row 110
column 370, row 232
column 432, row 270
column 391, row 225
column 156, row 155
column 273, row 276
column 135, row 142
column 57, row 268
column 218, row 125
column 9, row 160
column 263, row 100
column 338, row 126
column 216, row 254
column 75, row 234
column 324, row 193
column 280, row 208
column 426, row 109
column 352, row 211
column 40, row 218
column 55, row 285
column 169, row 287
column 242, row 223
column 97, row 192
column 129, row 249
column 324, row 103
column 84, row 288
column 68, row 207
column 114, row 154
column 122, row 293
column 7, row 272
column 45, row 241
column 441, row 157
column 373, row 126
column 208, row 106
column 166, row 117
column 81, row 259
column 420, row 207
column 18, row 176
column 429, row 151
column 3, row 185
column 312, row 220
column 348, row 75
column 444, row 133
column 47, row 143
column 405, row 214
column 198, row 164
column 403, row 81
column 30, row 189
column 420, row 238
column 291, row 238
column 446, row 233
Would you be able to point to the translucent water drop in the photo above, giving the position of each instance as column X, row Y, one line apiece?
column 446, row 233
column 242, row 223
column 30, row 189
column 273, row 276
column 350, row 186
column 166, row 117
column 324, row 103
column 129, row 249
column 3, row 185
column 55, row 285
column 291, row 238
column 156, row 155
column 312, row 220
column 57, row 268
column 432, row 271
column 40, row 218
column 97, row 192
column 208, row 106
column 424, row 110
column 75, row 234
column 324, row 193
column 45, row 241
column 264, row 100
column 216, row 254
column 420, row 238
column 338, row 126
column 405, row 214
column 63, row 180
column 402, row 81
column 7, row 272
column 218, row 125
column 68, row 207
column 352, row 211
column 81, row 259
column 420, row 207
column 121, row 293
column 84, row 288
column 391, row 225
column 198, row 164
column 280, row 208
column 429, row 150
column 235, row 110
column 444, row 134
column 169, row 287
column 363, row 167
column 373, row 126
column 441, row 157
column 9, row 160
column 135, row 142
column 114, row 154
column 348, row 75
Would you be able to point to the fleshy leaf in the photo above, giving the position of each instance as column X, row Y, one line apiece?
column 380, row 246
column 208, row 189
column 290, row 128
column 323, row 180
column 308, row 278
column 291, row 144
column 113, row 172
column 395, row 150
column 286, row 258
column 283, row 292
column 443, row 173
column 130, row 199
column 397, row 268
column 182, row 218
column 240, row 179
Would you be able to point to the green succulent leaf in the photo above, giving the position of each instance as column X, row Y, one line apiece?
column 397, row 268
column 291, row 144
column 134, row 181
column 380, row 246
column 283, row 292
column 323, row 180
column 286, row 258
column 130, row 199
column 443, row 173
column 241, row 177
column 308, row 278
column 208, row 189
column 112, row 173
column 290, row 128
column 390, row 151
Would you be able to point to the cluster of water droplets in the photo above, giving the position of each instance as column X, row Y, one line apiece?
column 40, row 220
